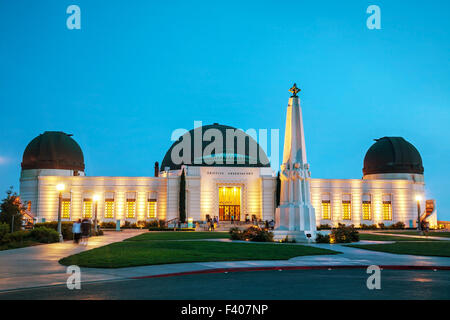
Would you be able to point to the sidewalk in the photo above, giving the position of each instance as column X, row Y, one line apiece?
column 351, row 257
column 38, row 265
column 407, row 236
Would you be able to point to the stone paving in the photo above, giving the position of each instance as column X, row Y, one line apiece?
column 38, row 266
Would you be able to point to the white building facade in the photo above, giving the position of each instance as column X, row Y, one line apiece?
column 237, row 187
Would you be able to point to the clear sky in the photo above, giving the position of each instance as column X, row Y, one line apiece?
column 137, row 70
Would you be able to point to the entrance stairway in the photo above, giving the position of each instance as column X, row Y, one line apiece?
column 225, row 226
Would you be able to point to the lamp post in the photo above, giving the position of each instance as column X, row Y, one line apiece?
column 96, row 198
column 60, row 187
column 419, row 227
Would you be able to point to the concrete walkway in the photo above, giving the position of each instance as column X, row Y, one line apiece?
column 38, row 266
column 407, row 236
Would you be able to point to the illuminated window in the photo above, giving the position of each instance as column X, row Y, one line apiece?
column 65, row 209
column 387, row 207
column 326, row 206
column 131, row 205
column 109, row 205
column 109, row 209
column 346, row 207
column 367, row 207
column 151, row 208
column 326, row 210
column 87, row 208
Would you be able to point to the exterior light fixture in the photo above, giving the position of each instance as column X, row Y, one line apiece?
column 96, row 198
column 60, row 187
column 419, row 226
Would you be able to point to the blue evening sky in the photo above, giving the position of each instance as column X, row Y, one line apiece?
column 137, row 70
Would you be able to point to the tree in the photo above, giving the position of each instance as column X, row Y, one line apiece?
column 278, row 190
column 11, row 210
column 182, row 204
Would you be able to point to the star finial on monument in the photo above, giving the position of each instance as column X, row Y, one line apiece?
column 294, row 90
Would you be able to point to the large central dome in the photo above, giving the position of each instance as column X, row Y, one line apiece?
column 239, row 156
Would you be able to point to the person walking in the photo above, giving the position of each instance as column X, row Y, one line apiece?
column 76, row 230
column 85, row 230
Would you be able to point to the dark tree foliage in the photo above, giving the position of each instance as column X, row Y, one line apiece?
column 278, row 190
column 182, row 197
column 11, row 207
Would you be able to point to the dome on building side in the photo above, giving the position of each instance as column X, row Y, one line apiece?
column 392, row 155
column 53, row 150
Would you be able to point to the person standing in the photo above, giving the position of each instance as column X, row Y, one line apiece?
column 76, row 230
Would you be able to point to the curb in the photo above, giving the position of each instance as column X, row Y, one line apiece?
column 289, row 268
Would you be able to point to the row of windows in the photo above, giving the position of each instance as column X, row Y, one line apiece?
column 366, row 208
column 130, row 209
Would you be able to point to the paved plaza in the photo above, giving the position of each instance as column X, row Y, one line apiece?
column 38, row 267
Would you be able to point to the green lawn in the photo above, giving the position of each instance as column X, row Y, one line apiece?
column 424, row 248
column 385, row 237
column 415, row 233
column 140, row 253
column 179, row 235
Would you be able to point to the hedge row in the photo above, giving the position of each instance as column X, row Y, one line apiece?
column 41, row 235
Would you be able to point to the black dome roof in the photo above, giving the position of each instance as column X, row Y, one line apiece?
column 53, row 150
column 260, row 161
column 392, row 155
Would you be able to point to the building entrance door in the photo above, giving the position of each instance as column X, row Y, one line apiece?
column 229, row 203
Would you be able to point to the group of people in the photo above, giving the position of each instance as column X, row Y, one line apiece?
column 81, row 230
column 212, row 223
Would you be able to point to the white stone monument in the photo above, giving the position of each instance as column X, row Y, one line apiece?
column 295, row 218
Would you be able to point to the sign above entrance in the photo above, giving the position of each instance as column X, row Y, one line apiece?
column 221, row 173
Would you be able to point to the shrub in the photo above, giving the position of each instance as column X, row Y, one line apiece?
column 108, row 225
column 324, row 227
column 44, row 235
column 4, row 229
column 235, row 234
column 17, row 236
column 172, row 229
column 398, row 225
column 323, row 238
column 381, row 225
column 368, row 227
column 66, row 228
column 253, row 233
column 286, row 240
column 129, row 225
column 262, row 236
column 344, row 234
column 155, row 224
